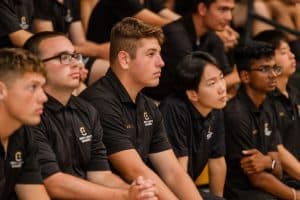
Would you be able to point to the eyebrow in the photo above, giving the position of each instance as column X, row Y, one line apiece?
column 213, row 78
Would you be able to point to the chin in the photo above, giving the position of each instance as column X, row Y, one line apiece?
column 33, row 121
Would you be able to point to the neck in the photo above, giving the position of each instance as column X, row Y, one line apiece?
column 62, row 96
column 256, row 97
column 8, row 124
column 199, row 26
column 282, row 84
column 130, row 85
column 204, row 111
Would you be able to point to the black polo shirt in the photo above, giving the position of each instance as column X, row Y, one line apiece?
column 61, row 15
column 15, row 15
column 127, row 125
column 288, row 120
column 180, row 40
column 246, row 127
column 191, row 134
column 19, row 165
column 70, row 139
column 107, row 13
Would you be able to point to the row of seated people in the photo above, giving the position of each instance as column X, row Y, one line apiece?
column 161, row 151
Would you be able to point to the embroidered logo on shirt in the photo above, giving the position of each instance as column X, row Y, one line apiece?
column 281, row 114
column 254, row 132
column 267, row 131
column 85, row 137
column 147, row 120
column 209, row 133
column 68, row 17
column 18, row 162
column 24, row 25
column 128, row 126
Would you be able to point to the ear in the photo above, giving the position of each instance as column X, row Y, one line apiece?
column 201, row 9
column 3, row 90
column 192, row 95
column 244, row 76
column 123, row 58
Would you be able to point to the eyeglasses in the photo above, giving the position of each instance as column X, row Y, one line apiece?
column 268, row 69
column 65, row 58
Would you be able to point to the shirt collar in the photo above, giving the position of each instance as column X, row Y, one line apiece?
column 119, row 88
column 54, row 105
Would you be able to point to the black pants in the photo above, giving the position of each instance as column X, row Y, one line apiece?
column 209, row 196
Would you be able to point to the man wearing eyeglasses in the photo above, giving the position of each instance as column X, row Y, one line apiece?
column 251, row 136
column 71, row 153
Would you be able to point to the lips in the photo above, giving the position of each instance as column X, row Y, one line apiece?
column 75, row 75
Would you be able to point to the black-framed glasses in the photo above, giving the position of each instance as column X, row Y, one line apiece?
column 267, row 69
column 65, row 58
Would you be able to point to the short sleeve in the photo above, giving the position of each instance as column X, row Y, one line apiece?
column 30, row 173
column 46, row 156
column 9, row 22
column 114, row 129
column 159, row 140
column 176, row 127
column 43, row 9
column 218, row 139
column 154, row 5
column 98, row 160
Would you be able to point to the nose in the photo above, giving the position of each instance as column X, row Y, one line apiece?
column 228, row 16
column 222, row 86
column 160, row 62
column 42, row 97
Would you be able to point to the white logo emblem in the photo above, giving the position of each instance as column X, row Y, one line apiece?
column 18, row 162
column 147, row 120
column 267, row 131
column 85, row 137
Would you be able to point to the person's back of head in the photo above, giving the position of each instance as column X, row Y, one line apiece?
column 33, row 43
column 190, row 69
column 273, row 37
column 244, row 55
column 126, row 34
column 15, row 63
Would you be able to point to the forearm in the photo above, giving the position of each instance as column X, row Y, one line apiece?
column 182, row 185
column 91, row 49
column 269, row 183
column 64, row 186
column 289, row 163
column 107, row 179
column 164, row 193
column 217, row 174
column 232, row 79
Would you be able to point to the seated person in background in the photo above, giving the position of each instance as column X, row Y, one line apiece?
column 71, row 153
column 15, row 22
column 21, row 102
column 133, row 130
column 286, row 101
column 251, row 134
column 49, row 17
column 194, row 127
column 107, row 13
column 193, row 33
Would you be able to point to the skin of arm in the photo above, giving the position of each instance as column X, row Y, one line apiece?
column 86, row 8
column 289, row 163
column 168, row 14
column 130, row 166
column 150, row 17
column 217, row 173
column 169, row 169
column 84, row 46
column 19, row 37
column 183, row 161
column 31, row 191
column 78, row 39
column 106, row 178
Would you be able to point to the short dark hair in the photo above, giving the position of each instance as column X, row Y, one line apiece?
column 190, row 69
column 16, row 62
column 273, row 37
column 195, row 3
column 125, row 34
column 245, row 54
column 33, row 43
